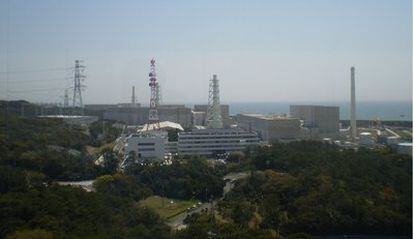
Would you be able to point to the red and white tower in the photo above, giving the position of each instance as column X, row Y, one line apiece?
column 153, row 84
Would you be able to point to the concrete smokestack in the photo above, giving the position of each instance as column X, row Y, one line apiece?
column 353, row 107
column 133, row 101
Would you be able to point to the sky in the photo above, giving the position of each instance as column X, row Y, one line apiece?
column 262, row 51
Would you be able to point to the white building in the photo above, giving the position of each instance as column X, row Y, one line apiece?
column 139, row 148
column 215, row 141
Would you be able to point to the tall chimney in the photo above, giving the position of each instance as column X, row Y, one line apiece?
column 133, row 96
column 353, row 107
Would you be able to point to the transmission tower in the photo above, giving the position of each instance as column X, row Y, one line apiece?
column 214, row 110
column 66, row 100
column 153, row 111
column 78, row 87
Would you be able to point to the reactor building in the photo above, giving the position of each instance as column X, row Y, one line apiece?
column 321, row 121
column 271, row 128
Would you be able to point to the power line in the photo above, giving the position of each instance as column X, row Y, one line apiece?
column 35, row 70
column 34, row 90
column 40, row 80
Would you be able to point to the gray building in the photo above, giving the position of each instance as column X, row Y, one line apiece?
column 322, row 121
column 129, row 116
column 175, row 113
column 139, row 115
column 198, row 118
column 224, row 113
column 271, row 128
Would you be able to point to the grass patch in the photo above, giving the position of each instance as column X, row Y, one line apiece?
column 164, row 207
column 404, row 135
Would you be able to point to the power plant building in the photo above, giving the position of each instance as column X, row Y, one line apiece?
column 198, row 118
column 140, row 148
column 211, row 142
column 139, row 115
column 224, row 114
column 271, row 128
column 322, row 121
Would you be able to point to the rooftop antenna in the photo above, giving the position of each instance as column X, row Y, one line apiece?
column 214, row 110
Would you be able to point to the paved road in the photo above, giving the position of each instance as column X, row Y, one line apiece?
column 87, row 185
column 177, row 222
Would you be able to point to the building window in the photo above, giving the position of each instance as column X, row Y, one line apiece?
column 146, row 149
column 146, row 144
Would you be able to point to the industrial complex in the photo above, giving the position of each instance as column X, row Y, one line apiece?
column 159, row 132
column 209, row 131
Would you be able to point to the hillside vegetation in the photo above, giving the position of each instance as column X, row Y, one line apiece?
column 320, row 189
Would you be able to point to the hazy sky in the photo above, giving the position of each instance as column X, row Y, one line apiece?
column 290, row 50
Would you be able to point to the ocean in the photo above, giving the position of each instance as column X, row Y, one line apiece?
column 401, row 111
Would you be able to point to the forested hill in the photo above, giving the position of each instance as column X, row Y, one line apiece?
column 33, row 153
column 320, row 189
column 49, row 146
column 295, row 190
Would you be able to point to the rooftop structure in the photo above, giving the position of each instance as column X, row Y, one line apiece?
column 164, row 125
